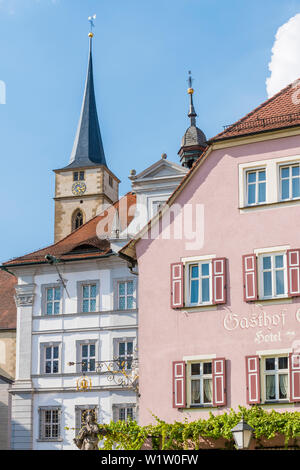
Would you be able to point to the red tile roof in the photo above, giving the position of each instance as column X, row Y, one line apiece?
column 8, row 311
column 280, row 111
column 87, row 241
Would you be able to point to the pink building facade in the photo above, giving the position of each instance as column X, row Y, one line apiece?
column 219, row 308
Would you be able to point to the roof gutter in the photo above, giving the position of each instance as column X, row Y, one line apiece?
column 62, row 261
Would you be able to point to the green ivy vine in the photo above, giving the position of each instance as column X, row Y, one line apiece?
column 185, row 435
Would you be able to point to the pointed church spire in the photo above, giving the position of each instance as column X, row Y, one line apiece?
column 192, row 113
column 88, row 148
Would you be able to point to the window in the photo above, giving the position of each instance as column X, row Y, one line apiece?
column 124, row 412
column 50, row 424
column 290, row 182
column 110, row 180
column 256, row 186
column 51, row 359
column 78, row 176
column 126, row 295
column 200, row 383
column 125, row 354
column 199, row 276
column 88, row 357
column 77, row 219
column 276, row 378
column 53, row 300
column 273, row 275
column 89, row 296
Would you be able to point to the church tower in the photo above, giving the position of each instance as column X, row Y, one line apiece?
column 193, row 142
column 85, row 185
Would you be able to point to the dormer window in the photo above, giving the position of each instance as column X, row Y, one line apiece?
column 78, row 176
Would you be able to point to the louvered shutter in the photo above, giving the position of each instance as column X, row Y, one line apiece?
column 294, row 366
column 219, row 381
column 177, row 285
column 219, row 280
column 179, row 385
column 293, row 266
column 250, row 277
column 253, row 380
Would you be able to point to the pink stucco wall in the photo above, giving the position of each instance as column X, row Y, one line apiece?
column 166, row 335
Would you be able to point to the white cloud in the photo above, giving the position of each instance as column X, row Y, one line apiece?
column 285, row 61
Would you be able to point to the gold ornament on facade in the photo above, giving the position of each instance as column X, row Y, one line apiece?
column 83, row 384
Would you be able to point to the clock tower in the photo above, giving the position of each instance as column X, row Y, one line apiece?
column 86, row 185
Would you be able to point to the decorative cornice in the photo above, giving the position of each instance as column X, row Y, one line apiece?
column 24, row 295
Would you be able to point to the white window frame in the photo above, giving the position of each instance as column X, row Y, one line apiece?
column 116, row 345
column 80, row 286
column 188, row 278
column 79, row 359
column 43, row 360
column 200, row 377
column 254, row 170
column 42, row 423
column 126, row 295
column 275, row 372
column 44, row 290
column 116, row 409
column 116, row 283
column 273, row 185
column 272, row 254
column 290, row 178
column 88, row 357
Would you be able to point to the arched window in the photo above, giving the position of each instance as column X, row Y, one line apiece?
column 77, row 219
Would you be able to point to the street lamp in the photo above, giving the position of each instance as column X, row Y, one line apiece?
column 242, row 434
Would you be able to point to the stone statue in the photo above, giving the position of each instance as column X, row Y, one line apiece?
column 88, row 436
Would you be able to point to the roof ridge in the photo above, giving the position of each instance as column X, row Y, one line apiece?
column 262, row 105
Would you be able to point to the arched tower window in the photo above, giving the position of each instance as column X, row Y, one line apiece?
column 77, row 219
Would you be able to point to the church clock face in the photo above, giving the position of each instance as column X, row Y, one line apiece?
column 78, row 188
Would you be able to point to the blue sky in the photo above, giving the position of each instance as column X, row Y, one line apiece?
column 142, row 53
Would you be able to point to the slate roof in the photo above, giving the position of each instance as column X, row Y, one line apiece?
column 88, row 147
column 278, row 112
column 193, row 136
column 8, row 310
column 88, row 241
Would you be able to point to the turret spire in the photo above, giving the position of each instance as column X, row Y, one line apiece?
column 192, row 113
column 193, row 142
column 88, row 148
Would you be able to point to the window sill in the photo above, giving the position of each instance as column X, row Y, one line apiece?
column 50, row 440
column 277, row 402
column 275, row 300
column 201, row 406
column 265, row 205
column 195, row 308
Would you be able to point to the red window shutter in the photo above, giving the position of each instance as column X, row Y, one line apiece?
column 294, row 377
column 253, row 380
column 219, row 381
column 250, row 277
column 293, row 266
column 219, row 280
column 177, row 285
column 179, row 386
